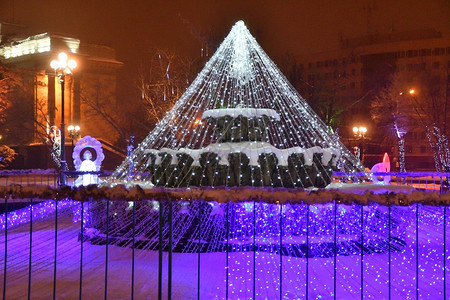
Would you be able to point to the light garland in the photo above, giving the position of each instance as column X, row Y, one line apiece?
column 239, row 75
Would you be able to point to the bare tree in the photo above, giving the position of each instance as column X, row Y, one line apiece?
column 389, row 110
column 414, row 100
column 10, row 85
column 162, row 80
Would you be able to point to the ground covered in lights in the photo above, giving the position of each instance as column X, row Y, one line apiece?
column 213, row 268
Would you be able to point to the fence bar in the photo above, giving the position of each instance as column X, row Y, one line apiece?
column 228, row 237
column 389, row 249
column 254, row 249
column 160, row 249
column 31, row 246
column 199, row 246
column 107, row 248
column 132, row 250
column 169, row 275
column 362, row 252
column 81, row 249
column 335, row 248
column 56, row 247
column 281, row 249
column 307, row 251
column 6, row 247
column 445, row 252
column 417, row 250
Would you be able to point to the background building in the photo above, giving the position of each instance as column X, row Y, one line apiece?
column 92, row 83
column 355, row 73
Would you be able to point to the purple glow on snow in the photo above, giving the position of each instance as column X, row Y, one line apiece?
column 40, row 210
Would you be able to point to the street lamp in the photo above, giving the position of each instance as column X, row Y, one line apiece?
column 360, row 132
column 74, row 132
column 63, row 67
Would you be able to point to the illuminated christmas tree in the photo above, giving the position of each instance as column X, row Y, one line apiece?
column 240, row 123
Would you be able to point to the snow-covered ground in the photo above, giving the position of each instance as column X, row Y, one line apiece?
column 213, row 279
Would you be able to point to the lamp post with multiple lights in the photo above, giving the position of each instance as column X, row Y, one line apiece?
column 63, row 67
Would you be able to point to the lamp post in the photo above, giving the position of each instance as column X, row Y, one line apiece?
column 360, row 132
column 74, row 132
column 63, row 67
column 400, row 136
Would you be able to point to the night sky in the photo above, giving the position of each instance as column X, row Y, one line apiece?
column 136, row 28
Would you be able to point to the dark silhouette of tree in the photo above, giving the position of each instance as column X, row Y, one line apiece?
column 414, row 101
column 163, row 79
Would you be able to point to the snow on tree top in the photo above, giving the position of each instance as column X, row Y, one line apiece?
column 247, row 112
column 253, row 150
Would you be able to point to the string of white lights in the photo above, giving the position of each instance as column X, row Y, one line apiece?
column 238, row 76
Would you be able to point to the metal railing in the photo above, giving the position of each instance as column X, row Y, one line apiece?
column 48, row 177
column 430, row 181
column 165, row 249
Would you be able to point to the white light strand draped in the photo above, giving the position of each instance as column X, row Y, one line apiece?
column 239, row 75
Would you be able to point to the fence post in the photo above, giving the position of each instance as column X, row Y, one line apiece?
column 169, row 275
column 335, row 249
column 199, row 246
column 228, row 237
column 6, row 247
column 362, row 251
column 107, row 248
column 389, row 249
column 417, row 250
column 445, row 254
column 160, row 249
column 132, row 250
column 56, row 247
column 281, row 251
column 254, row 249
column 31, row 246
column 307, row 251
column 81, row 249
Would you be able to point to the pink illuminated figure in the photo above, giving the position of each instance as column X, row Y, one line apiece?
column 384, row 167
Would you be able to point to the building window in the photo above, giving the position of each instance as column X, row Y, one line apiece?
column 412, row 53
column 439, row 51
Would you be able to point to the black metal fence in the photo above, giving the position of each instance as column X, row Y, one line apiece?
column 48, row 177
column 165, row 249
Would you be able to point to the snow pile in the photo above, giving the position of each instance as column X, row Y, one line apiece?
column 252, row 150
column 247, row 112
